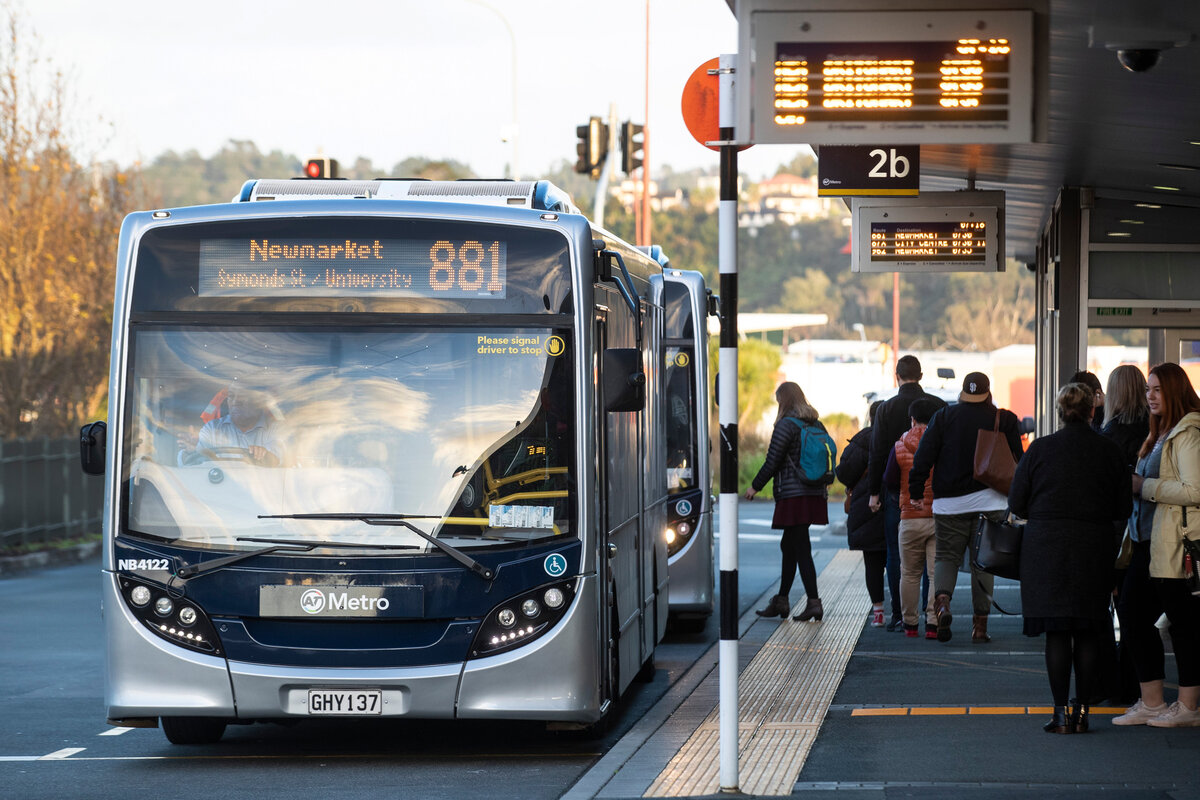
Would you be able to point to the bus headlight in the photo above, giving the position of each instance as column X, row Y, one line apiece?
column 187, row 627
column 500, row 630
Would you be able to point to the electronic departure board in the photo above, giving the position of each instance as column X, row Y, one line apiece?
column 894, row 77
column 356, row 267
column 934, row 232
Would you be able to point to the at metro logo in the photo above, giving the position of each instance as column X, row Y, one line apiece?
column 344, row 602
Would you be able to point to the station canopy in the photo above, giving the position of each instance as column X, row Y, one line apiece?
column 1132, row 136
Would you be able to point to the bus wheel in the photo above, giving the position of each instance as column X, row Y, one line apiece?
column 193, row 730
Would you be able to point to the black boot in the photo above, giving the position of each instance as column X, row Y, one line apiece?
column 778, row 607
column 1059, row 722
column 812, row 610
column 1079, row 716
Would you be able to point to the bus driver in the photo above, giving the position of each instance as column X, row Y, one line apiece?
column 249, row 431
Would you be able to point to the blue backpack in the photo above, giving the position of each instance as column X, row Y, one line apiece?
column 818, row 453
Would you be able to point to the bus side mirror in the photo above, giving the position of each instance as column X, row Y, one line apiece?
column 624, row 380
column 92, row 447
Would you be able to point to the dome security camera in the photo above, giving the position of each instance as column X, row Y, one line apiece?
column 1138, row 59
column 1138, row 48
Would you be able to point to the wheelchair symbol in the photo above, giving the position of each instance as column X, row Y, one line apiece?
column 556, row 565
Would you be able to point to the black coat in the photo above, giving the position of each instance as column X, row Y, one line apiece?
column 864, row 528
column 780, row 463
column 1070, row 486
column 948, row 448
column 891, row 422
column 1128, row 436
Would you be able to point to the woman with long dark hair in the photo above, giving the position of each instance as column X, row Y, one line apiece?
column 1166, row 484
column 1070, row 486
column 798, row 504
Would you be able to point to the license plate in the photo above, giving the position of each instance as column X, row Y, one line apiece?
column 345, row 702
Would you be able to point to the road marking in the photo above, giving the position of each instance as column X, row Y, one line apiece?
column 58, row 755
column 115, row 731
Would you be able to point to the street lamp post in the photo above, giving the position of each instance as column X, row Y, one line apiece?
column 512, row 128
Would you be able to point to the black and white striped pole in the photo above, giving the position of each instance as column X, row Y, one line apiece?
column 727, row 664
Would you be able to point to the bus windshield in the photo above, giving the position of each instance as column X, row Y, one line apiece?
column 469, row 427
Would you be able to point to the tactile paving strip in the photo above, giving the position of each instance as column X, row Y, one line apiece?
column 783, row 696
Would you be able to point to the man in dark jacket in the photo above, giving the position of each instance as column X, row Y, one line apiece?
column 890, row 424
column 948, row 449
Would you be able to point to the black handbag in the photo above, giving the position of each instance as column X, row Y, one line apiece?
column 996, row 547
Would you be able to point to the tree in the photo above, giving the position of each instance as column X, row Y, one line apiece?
column 58, row 231
column 189, row 179
column 432, row 169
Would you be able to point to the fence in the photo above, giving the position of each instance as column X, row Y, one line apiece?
column 44, row 495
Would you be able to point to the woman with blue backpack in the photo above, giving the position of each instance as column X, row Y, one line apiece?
column 800, row 459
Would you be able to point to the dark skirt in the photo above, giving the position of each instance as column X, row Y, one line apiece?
column 804, row 510
column 1036, row 626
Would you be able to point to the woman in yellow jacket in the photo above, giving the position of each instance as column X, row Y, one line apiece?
column 1175, row 494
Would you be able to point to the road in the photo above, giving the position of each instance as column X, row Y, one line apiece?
column 55, row 743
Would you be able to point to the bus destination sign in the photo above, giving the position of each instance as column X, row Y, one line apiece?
column 905, row 77
column 934, row 232
column 366, row 267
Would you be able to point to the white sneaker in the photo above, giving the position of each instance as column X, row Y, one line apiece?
column 1140, row 714
column 1177, row 716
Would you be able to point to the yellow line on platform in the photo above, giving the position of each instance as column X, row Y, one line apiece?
column 938, row 712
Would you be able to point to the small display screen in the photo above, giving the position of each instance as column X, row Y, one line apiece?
column 929, row 241
column 353, row 267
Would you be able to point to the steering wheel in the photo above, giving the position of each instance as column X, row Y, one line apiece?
column 225, row 454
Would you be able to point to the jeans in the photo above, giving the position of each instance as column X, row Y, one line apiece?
column 891, row 534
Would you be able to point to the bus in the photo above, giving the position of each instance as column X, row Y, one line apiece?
column 688, row 304
column 381, row 448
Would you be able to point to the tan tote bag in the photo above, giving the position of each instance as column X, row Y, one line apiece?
column 994, row 462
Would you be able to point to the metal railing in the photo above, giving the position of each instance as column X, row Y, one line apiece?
column 44, row 495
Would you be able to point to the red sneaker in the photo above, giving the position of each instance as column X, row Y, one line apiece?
column 931, row 631
column 877, row 618
column 910, row 631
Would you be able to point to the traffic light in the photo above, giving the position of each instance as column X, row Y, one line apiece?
column 631, row 146
column 320, row 167
column 592, row 147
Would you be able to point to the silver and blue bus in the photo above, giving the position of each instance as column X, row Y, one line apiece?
column 688, row 304
column 381, row 448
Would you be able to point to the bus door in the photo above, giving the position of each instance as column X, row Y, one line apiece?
column 620, row 492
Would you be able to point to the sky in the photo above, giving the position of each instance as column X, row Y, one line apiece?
column 384, row 79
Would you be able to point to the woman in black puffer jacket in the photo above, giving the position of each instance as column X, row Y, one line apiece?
column 797, row 504
column 864, row 527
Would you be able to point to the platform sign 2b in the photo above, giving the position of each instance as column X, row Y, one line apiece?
column 868, row 171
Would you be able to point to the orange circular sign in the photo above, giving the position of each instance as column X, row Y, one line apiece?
column 701, row 105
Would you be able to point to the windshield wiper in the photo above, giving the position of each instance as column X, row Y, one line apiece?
column 400, row 520
column 278, row 545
